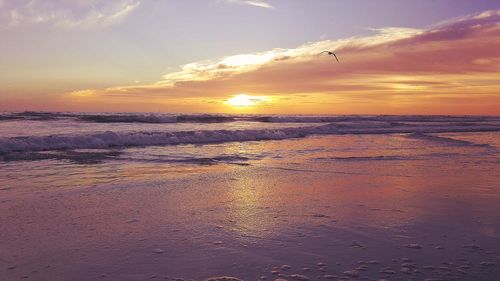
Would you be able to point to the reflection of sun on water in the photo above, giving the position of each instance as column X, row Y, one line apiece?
column 242, row 100
column 249, row 196
column 247, row 199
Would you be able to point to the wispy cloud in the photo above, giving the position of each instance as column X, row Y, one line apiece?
column 442, row 69
column 256, row 3
column 69, row 14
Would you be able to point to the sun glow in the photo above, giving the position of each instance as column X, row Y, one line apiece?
column 242, row 100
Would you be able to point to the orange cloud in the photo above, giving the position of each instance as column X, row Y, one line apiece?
column 449, row 68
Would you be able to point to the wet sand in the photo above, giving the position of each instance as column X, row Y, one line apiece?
column 333, row 217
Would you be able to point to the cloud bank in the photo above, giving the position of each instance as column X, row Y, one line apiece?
column 451, row 67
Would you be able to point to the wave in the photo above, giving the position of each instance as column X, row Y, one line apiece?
column 126, row 117
column 221, row 118
column 395, row 119
column 149, row 118
column 79, row 157
column 95, row 157
column 370, row 158
column 32, row 115
column 444, row 140
column 227, row 159
column 107, row 140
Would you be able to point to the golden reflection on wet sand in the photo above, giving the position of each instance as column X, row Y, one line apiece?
column 299, row 192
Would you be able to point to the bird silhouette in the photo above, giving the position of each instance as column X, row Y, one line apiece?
column 331, row 54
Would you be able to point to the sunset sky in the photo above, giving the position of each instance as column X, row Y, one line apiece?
column 396, row 56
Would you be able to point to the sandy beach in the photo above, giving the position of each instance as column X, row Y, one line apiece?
column 348, row 207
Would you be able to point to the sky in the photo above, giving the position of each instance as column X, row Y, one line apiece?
column 251, row 56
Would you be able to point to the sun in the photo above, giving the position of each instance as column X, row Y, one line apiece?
column 242, row 100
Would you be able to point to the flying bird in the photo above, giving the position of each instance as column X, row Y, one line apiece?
column 331, row 54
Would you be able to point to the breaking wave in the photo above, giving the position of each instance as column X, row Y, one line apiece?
column 221, row 118
column 106, row 140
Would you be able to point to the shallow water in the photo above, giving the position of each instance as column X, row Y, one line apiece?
column 242, row 208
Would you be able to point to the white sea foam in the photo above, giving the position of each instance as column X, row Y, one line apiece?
column 126, row 139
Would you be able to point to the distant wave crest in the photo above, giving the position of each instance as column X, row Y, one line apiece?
column 221, row 118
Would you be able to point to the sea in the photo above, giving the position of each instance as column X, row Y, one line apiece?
column 41, row 147
column 138, row 196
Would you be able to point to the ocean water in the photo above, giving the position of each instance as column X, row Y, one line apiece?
column 142, row 196
column 41, row 147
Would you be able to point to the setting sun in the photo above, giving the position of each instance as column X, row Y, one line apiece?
column 242, row 100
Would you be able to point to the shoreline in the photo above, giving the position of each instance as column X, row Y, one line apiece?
column 360, row 218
